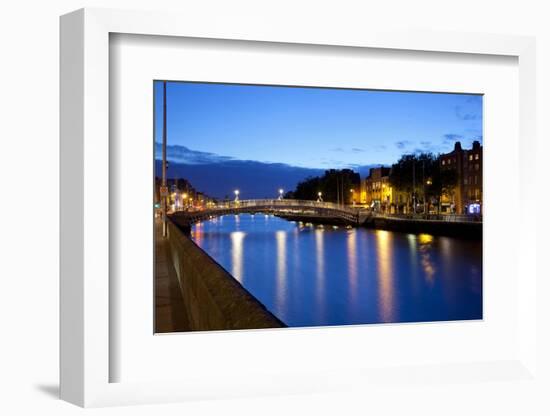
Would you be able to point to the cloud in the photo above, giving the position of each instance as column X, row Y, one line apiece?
column 453, row 137
column 332, row 162
column 402, row 144
column 182, row 154
column 466, row 116
column 253, row 179
column 364, row 170
column 342, row 150
column 428, row 147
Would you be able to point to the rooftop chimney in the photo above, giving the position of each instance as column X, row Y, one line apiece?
column 458, row 147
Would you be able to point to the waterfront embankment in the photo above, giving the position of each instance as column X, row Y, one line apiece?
column 459, row 229
column 213, row 299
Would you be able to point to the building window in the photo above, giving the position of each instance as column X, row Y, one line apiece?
column 443, row 162
column 477, row 156
column 477, row 166
column 465, row 181
column 475, row 180
column 471, row 157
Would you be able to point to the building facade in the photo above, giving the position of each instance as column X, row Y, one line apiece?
column 466, row 196
column 376, row 191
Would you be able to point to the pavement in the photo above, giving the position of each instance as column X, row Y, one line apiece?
column 170, row 311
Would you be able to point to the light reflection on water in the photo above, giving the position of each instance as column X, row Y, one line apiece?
column 281, row 269
column 385, row 276
column 237, row 239
column 309, row 276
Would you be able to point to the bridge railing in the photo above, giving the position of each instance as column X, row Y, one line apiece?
column 432, row 217
column 282, row 203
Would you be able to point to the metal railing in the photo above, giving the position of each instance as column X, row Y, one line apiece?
column 290, row 206
column 431, row 217
column 281, row 203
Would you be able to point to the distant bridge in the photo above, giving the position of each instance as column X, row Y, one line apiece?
column 313, row 211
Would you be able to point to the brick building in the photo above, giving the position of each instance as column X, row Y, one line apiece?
column 467, row 195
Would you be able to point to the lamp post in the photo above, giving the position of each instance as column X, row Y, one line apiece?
column 184, row 203
column 319, row 196
column 236, row 195
column 164, row 187
column 428, row 182
column 281, row 193
column 352, row 196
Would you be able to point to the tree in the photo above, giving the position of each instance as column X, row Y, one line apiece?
column 447, row 182
column 419, row 176
column 335, row 186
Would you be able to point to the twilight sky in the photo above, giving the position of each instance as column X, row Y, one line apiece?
column 312, row 128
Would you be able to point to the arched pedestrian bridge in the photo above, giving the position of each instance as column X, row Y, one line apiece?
column 295, row 209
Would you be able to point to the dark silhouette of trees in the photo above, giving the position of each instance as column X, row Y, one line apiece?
column 335, row 186
column 422, row 178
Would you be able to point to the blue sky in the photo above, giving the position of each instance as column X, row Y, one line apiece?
column 310, row 128
column 315, row 127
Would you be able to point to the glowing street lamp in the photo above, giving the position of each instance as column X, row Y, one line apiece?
column 184, row 197
column 280, row 194
column 320, row 196
column 236, row 195
column 352, row 196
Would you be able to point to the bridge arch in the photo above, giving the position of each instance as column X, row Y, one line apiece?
column 296, row 208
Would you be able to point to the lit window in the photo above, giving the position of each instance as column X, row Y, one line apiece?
column 471, row 157
column 443, row 163
column 477, row 156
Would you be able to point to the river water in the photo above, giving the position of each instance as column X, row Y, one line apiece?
column 308, row 276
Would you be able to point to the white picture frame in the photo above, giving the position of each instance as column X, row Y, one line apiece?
column 85, row 218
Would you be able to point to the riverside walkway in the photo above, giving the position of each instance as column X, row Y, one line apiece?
column 170, row 312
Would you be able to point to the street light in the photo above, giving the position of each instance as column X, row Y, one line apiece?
column 184, row 197
column 236, row 195
column 320, row 196
column 426, row 209
column 352, row 191
column 281, row 193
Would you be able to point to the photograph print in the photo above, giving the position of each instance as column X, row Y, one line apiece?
column 285, row 206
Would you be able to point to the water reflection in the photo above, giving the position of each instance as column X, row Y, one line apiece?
column 320, row 269
column 280, row 236
column 351, row 249
column 237, row 239
column 197, row 233
column 385, row 276
column 325, row 276
column 426, row 241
